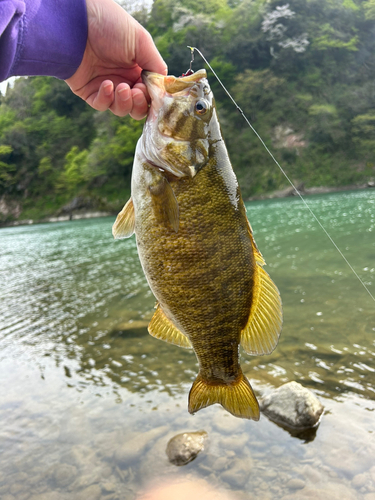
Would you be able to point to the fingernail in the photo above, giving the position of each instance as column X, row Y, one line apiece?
column 138, row 99
column 124, row 94
column 108, row 89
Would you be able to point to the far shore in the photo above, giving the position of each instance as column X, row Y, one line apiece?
column 290, row 191
column 60, row 218
column 281, row 193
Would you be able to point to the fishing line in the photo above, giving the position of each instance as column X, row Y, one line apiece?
column 281, row 169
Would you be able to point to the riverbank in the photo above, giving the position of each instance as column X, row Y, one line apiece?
column 281, row 193
column 290, row 191
column 60, row 218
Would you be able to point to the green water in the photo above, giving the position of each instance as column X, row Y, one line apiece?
column 89, row 400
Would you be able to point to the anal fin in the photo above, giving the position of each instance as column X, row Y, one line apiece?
column 162, row 328
column 125, row 222
column 237, row 397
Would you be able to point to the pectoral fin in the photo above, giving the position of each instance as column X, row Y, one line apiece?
column 162, row 328
column 262, row 331
column 125, row 222
column 164, row 202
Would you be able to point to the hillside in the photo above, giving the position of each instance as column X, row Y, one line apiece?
column 303, row 73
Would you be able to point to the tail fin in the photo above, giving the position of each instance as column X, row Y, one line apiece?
column 238, row 398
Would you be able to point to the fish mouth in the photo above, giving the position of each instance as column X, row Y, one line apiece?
column 158, row 84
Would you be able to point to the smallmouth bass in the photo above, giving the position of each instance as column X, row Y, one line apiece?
column 196, row 244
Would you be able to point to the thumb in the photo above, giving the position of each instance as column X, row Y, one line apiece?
column 147, row 55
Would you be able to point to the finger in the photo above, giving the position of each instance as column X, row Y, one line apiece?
column 140, row 105
column 123, row 102
column 147, row 55
column 102, row 99
column 143, row 88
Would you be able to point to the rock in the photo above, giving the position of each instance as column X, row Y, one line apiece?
column 51, row 495
column 183, row 448
column 239, row 472
column 93, row 492
column 76, row 203
column 220, row 464
column 108, row 487
column 17, row 488
column 235, row 442
column 64, row 474
column 131, row 451
column 296, row 484
column 292, row 405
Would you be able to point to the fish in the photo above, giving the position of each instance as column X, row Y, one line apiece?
column 196, row 245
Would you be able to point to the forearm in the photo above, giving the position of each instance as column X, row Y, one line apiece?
column 42, row 37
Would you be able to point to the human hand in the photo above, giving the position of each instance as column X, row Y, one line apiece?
column 118, row 49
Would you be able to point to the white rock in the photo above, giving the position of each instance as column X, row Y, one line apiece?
column 292, row 405
column 183, row 448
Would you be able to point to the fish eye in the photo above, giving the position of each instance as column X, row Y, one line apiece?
column 201, row 107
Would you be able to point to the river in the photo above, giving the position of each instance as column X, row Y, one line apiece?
column 89, row 400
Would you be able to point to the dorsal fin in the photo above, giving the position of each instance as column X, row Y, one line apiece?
column 125, row 222
column 262, row 331
column 162, row 328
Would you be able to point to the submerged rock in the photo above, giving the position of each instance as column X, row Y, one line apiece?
column 292, row 405
column 183, row 448
column 128, row 453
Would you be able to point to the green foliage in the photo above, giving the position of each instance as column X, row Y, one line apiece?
column 6, row 169
column 364, row 132
column 369, row 8
column 74, row 168
column 303, row 71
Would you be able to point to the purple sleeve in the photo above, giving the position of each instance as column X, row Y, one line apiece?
column 42, row 37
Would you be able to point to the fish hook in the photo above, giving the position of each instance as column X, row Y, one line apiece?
column 190, row 70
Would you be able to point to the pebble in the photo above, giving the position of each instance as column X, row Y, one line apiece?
column 23, row 496
column 292, row 405
column 93, row 492
column 79, row 455
column 17, row 488
column 64, row 474
column 359, row 480
column 220, row 464
column 108, row 487
column 184, row 448
column 239, row 472
column 234, row 443
column 276, row 451
column 296, row 484
column 127, row 453
column 51, row 495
